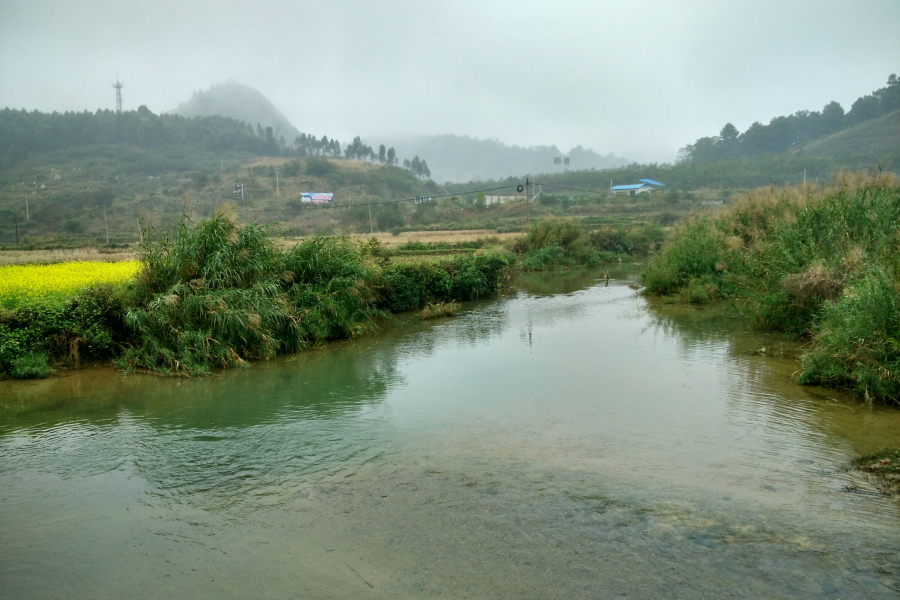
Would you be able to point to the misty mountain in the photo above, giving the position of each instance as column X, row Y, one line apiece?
column 238, row 101
column 462, row 158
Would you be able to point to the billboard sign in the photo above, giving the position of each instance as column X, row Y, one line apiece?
column 317, row 197
column 239, row 189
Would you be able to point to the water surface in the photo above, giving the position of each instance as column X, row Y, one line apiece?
column 565, row 439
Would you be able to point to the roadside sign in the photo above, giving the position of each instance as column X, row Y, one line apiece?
column 317, row 197
column 239, row 189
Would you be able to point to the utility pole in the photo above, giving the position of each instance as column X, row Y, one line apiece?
column 371, row 227
column 17, row 227
column 106, row 226
column 277, row 189
column 804, row 175
column 140, row 231
column 527, row 207
column 27, row 216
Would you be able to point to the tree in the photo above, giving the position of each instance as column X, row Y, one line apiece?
column 259, row 130
column 832, row 117
column 865, row 108
column 728, row 141
column 391, row 156
column 729, row 133
column 382, row 153
column 480, row 202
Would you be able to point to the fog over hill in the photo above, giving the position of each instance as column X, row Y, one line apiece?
column 242, row 102
column 459, row 158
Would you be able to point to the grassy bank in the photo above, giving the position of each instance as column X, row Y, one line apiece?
column 217, row 294
column 815, row 262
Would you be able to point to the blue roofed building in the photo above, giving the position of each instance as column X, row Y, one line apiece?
column 644, row 187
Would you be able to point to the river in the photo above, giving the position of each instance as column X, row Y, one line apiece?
column 565, row 439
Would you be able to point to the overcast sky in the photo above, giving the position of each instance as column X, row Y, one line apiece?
column 638, row 78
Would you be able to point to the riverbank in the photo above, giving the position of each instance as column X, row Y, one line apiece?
column 820, row 263
column 217, row 294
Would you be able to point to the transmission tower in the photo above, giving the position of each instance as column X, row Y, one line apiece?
column 118, row 85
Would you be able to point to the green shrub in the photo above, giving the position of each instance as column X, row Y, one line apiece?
column 857, row 341
column 553, row 245
column 89, row 325
column 218, row 294
column 693, row 252
column 548, row 258
column 407, row 286
column 813, row 264
column 31, row 366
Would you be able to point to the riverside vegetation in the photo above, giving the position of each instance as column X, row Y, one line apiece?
column 217, row 294
column 821, row 263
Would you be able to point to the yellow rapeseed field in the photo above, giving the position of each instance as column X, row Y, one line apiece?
column 20, row 283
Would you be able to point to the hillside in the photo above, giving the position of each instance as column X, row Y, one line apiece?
column 462, row 158
column 875, row 138
column 71, row 197
column 241, row 102
column 804, row 128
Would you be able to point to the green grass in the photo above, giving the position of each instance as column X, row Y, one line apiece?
column 816, row 263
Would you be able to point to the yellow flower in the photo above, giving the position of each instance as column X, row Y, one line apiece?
column 21, row 283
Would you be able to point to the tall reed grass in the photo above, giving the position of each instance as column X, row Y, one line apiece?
column 219, row 294
column 817, row 262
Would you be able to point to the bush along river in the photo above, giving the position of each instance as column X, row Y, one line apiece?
column 563, row 439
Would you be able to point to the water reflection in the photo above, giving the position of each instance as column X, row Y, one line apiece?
column 563, row 439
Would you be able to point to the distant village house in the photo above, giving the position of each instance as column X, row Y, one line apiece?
column 632, row 189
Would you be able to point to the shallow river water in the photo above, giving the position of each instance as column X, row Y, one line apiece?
column 562, row 440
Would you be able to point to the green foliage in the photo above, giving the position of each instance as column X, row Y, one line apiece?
column 217, row 294
column 637, row 240
column 794, row 131
column 857, row 342
column 692, row 252
column 31, row 366
column 549, row 258
column 553, row 244
column 88, row 325
column 320, row 167
column 811, row 264
column 407, row 286
column 23, row 133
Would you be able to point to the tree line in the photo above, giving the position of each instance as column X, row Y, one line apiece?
column 23, row 134
column 793, row 131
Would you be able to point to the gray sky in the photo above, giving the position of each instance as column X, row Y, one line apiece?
column 638, row 78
